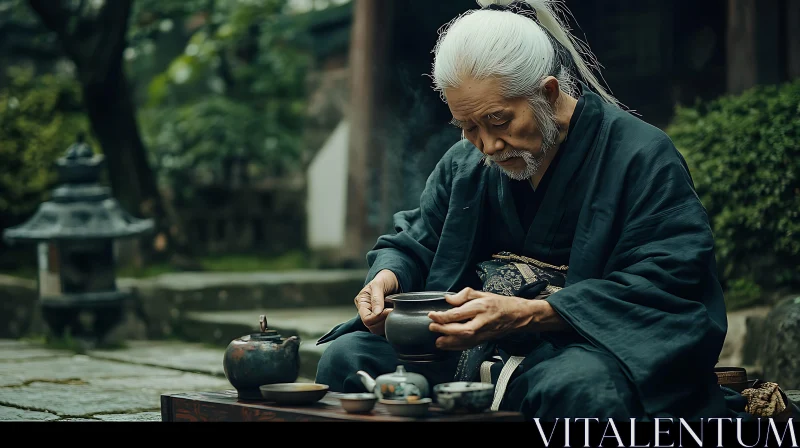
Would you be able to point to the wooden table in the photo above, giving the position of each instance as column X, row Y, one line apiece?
column 225, row 406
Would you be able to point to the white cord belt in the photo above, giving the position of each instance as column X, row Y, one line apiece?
column 502, row 381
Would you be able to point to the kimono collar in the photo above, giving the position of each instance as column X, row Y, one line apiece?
column 563, row 190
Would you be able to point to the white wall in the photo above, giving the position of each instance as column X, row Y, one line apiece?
column 327, row 191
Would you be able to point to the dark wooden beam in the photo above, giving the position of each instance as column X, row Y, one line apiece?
column 741, row 51
column 792, row 27
column 753, row 43
column 768, row 42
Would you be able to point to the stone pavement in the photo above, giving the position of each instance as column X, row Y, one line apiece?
column 42, row 384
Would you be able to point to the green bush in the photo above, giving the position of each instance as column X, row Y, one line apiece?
column 40, row 116
column 744, row 155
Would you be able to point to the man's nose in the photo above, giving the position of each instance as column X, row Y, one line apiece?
column 491, row 144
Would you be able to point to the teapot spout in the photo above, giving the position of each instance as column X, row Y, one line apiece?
column 367, row 380
column 292, row 343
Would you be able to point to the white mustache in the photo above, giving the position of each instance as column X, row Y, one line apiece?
column 505, row 155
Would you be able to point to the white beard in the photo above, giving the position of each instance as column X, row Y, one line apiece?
column 532, row 163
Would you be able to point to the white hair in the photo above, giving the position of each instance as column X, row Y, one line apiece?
column 514, row 49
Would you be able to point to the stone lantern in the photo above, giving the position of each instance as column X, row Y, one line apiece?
column 75, row 235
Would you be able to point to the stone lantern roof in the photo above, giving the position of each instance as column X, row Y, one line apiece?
column 80, row 208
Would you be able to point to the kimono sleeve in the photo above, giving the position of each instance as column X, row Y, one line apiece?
column 658, row 306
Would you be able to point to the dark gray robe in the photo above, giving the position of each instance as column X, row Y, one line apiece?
column 642, row 286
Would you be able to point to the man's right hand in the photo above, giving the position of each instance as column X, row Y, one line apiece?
column 370, row 300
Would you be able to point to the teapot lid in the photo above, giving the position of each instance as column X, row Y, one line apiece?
column 400, row 372
column 265, row 335
column 402, row 375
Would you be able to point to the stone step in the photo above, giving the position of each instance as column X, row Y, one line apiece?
column 246, row 291
column 219, row 328
column 741, row 337
column 165, row 299
column 160, row 302
column 19, row 314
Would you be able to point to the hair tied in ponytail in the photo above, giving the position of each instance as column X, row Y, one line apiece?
column 497, row 3
column 520, row 7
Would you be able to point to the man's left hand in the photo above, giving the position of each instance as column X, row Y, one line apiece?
column 481, row 316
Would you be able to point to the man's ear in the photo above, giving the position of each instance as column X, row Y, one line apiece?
column 551, row 89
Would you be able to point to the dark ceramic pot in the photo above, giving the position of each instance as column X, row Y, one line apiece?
column 259, row 359
column 407, row 325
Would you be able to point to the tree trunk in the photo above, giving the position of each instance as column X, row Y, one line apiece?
column 111, row 112
column 95, row 42
column 366, row 52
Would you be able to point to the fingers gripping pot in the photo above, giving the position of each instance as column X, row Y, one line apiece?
column 259, row 359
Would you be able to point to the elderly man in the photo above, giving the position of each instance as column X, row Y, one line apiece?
column 551, row 169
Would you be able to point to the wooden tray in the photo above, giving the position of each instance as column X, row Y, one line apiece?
column 225, row 406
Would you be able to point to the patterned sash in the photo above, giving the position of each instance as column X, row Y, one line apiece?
column 514, row 276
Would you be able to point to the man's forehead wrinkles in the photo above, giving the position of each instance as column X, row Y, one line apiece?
column 467, row 109
column 488, row 108
column 483, row 112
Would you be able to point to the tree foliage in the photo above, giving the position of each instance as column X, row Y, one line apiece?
column 744, row 154
column 24, row 36
column 234, row 92
column 216, row 81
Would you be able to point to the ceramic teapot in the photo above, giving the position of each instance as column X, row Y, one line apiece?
column 258, row 359
column 397, row 385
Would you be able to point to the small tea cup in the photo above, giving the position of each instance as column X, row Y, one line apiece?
column 358, row 403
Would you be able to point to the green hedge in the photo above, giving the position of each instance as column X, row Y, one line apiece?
column 744, row 155
column 40, row 116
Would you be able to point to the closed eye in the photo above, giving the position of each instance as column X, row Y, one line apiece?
column 502, row 125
